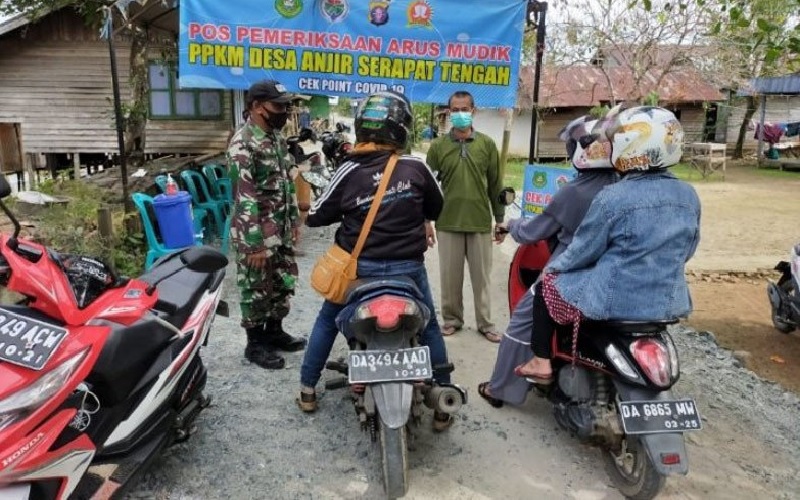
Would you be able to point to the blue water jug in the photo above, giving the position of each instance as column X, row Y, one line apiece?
column 174, row 215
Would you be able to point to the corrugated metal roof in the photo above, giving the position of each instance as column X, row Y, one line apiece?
column 787, row 84
column 12, row 22
column 587, row 86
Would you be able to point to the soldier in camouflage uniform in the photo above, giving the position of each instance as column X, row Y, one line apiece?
column 265, row 224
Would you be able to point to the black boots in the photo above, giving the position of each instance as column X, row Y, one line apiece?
column 259, row 352
column 276, row 337
column 263, row 342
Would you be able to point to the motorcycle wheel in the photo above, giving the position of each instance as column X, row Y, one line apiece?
column 636, row 477
column 777, row 322
column 394, row 451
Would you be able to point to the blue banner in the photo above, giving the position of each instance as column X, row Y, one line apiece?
column 426, row 49
column 540, row 185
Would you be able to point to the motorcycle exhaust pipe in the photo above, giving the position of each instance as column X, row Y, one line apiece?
column 444, row 399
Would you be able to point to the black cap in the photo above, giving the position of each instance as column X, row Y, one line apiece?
column 268, row 90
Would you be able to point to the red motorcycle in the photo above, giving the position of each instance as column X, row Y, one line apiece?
column 98, row 373
column 612, row 387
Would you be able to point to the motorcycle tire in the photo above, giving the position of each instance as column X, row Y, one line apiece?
column 642, row 481
column 394, row 452
column 777, row 321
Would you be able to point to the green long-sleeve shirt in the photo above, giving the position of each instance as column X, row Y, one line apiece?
column 471, row 181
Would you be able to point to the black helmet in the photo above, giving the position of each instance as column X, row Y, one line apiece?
column 384, row 118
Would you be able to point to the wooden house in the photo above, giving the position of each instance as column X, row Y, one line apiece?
column 568, row 92
column 56, row 102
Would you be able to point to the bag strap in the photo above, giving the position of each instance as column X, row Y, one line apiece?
column 373, row 209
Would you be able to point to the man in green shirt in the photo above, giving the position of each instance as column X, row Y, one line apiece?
column 468, row 165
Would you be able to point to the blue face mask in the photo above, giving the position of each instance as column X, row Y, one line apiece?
column 461, row 119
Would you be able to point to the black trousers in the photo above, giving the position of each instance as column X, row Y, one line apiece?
column 544, row 326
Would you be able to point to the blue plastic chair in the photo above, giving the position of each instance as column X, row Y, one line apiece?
column 199, row 215
column 155, row 247
column 226, row 234
column 217, row 176
column 201, row 197
column 220, row 182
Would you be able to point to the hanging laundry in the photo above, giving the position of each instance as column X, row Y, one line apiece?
column 792, row 129
column 772, row 132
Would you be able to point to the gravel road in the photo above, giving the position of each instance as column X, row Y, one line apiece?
column 253, row 443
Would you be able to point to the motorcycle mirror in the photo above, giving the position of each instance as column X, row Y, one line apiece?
column 507, row 196
column 5, row 187
column 306, row 134
column 204, row 259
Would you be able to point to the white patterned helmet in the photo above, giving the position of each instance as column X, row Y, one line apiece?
column 587, row 150
column 645, row 138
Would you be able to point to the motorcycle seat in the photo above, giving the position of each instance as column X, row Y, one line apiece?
column 623, row 326
column 127, row 355
column 366, row 287
column 179, row 294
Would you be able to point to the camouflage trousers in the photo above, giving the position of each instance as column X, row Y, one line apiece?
column 265, row 292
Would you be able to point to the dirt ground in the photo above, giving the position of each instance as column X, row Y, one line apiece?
column 749, row 223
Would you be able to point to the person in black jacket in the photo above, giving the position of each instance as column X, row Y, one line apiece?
column 399, row 236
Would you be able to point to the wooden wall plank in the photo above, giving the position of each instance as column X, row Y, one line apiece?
column 55, row 81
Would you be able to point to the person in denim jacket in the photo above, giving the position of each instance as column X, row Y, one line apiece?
column 627, row 259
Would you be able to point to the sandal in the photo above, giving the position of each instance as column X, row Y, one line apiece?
column 448, row 330
column 307, row 402
column 442, row 421
column 492, row 336
column 483, row 391
column 538, row 379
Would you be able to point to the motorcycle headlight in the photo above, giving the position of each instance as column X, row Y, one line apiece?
column 26, row 400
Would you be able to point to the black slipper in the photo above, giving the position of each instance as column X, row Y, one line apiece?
column 482, row 392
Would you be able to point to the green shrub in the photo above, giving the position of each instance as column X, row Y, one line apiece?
column 72, row 228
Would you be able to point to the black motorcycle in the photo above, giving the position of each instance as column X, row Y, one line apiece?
column 389, row 373
column 311, row 168
column 612, row 387
column 784, row 296
column 335, row 147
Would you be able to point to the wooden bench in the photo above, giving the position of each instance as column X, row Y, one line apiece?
column 706, row 157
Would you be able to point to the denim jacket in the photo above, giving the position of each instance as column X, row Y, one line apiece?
column 626, row 261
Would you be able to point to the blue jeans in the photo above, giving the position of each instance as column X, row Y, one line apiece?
column 324, row 332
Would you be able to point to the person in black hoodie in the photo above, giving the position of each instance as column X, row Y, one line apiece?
column 399, row 236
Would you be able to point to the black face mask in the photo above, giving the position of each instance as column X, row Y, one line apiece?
column 276, row 120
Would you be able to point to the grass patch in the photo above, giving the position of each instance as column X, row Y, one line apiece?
column 774, row 173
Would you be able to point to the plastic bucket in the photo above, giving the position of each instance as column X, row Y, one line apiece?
column 174, row 215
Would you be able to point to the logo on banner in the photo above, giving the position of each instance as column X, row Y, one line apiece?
column 289, row 8
column 539, row 179
column 378, row 13
column 420, row 14
column 335, row 10
column 561, row 180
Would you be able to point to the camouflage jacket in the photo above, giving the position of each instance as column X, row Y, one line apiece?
column 265, row 203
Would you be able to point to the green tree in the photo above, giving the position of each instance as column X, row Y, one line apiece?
column 756, row 16
column 754, row 39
